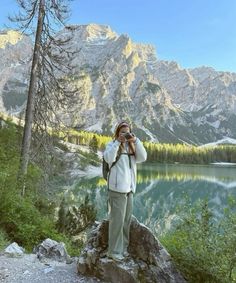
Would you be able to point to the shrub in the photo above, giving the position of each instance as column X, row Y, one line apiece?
column 202, row 248
column 3, row 240
column 73, row 219
column 28, row 220
column 89, row 158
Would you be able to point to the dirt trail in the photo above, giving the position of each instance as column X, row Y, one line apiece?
column 28, row 269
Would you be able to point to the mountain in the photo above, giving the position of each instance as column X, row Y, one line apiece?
column 120, row 79
column 15, row 61
column 226, row 141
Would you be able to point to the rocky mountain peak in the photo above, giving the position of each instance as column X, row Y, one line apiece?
column 121, row 79
column 9, row 37
column 94, row 32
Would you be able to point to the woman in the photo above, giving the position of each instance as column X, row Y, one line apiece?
column 122, row 154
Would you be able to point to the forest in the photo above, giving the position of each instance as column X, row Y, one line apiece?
column 162, row 152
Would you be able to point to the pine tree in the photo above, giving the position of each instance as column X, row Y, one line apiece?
column 94, row 144
column 47, row 90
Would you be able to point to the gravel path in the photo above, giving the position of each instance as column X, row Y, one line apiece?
column 28, row 269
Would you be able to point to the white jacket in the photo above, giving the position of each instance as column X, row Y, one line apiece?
column 121, row 177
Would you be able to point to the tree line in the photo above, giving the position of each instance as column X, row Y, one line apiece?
column 162, row 152
column 168, row 153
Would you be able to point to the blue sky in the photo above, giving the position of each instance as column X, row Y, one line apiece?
column 190, row 32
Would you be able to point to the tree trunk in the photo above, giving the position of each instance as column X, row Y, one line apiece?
column 29, row 114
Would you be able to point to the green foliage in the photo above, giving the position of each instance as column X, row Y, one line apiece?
column 189, row 154
column 3, row 240
column 94, row 144
column 27, row 220
column 164, row 152
column 88, row 158
column 202, row 248
column 84, row 138
column 20, row 219
column 73, row 219
column 87, row 214
column 156, row 152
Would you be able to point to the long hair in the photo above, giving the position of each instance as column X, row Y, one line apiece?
column 131, row 147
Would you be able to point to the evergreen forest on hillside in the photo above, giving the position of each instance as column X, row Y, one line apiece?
column 163, row 152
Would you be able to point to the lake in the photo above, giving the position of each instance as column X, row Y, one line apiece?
column 161, row 188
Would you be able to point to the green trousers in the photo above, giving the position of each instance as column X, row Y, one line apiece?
column 120, row 212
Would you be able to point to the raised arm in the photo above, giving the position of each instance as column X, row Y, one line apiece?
column 111, row 151
column 140, row 153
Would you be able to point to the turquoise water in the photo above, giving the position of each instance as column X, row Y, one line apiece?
column 162, row 188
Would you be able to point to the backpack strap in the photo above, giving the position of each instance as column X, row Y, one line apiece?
column 129, row 154
column 114, row 163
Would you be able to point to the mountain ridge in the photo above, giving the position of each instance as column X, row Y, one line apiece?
column 120, row 79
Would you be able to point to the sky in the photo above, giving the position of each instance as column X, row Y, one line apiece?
column 193, row 33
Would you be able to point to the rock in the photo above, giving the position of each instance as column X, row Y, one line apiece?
column 48, row 269
column 14, row 250
column 149, row 261
column 3, row 124
column 53, row 250
column 26, row 272
column 4, row 273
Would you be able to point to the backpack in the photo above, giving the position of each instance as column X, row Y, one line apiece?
column 105, row 167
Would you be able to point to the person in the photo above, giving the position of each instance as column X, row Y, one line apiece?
column 121, row 154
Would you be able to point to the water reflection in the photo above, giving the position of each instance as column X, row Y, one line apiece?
column 161, row 188
column 185, row 172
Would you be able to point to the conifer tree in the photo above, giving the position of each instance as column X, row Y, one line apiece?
column 47, row 90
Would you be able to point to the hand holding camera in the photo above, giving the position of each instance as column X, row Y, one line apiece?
column 130, row 137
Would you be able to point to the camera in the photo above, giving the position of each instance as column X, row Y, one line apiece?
column 128, row 136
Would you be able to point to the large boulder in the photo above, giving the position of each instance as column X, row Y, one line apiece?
column 148, row 262
column 14, row 250
column 52, row 250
